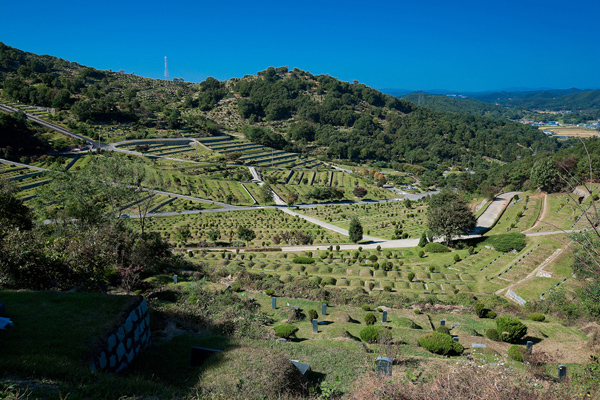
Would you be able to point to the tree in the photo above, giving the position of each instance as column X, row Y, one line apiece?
column 360, row 192
column 355, row 231
column 245, row 234
column 544, row 174
column 449, row 216
column 214, row 235
column 423, row 240
column 13, row 213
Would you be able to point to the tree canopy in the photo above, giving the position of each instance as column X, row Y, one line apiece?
column 449, row 216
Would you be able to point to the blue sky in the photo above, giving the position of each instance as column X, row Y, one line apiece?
column 419, row 44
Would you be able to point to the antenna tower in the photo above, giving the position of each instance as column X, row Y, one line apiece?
column 166, row 70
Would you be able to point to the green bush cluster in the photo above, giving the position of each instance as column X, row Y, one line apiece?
column 312, row 314
column 365, row 307
column 303, row 260
column 436, row 248
column 285, row 330
column 328, row 281
column 443, row 329
column 517, row 353
column 506, row 242
column 537, row 317
column 441, row 343
column 269, row 292
column 483, row 312
column 370, row 319
column 492, row 334
column 510, row 329
column 370, row 334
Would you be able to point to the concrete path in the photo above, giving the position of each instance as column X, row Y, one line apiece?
column 494, row 210
column 16, row 164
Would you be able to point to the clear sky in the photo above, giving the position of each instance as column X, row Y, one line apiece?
column 462, row 45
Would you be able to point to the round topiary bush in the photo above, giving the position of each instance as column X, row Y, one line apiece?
column 443, row 329
column 436, row 248
column 370, row 319
column 269, row 292
column 370, row 334
column 366, row 307
column 517, row 353
column 312, row 314
column 510, row 329
column 491, row 314
column 440, row 343
column 537, row 317
column 417, row 311
column 285, row 330
column 492, row 334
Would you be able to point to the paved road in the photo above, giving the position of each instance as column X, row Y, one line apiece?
column 494, row 210
column 3, row 161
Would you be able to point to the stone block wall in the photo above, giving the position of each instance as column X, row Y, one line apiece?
column 125, row 342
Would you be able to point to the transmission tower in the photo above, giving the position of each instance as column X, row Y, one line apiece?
column 421, row 95
column 166, row 70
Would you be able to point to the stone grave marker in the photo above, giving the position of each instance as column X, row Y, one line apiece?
column 384, row 366
column 274, row 303
column 315, row 324
column 302, row 367
column 562, row 371
column 384, row 317
column 324, row 309
column 201, row 354
column 282, row 340
column 478, row 346
column 455, row 338
column 175, row 279
column 529, row 346
column 443, row 322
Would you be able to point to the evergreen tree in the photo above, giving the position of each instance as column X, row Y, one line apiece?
column 423, row 240
column 355, row 230
column 449, row 216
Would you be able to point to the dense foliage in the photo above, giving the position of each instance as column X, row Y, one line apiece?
column 441, row 343
column 510, row 329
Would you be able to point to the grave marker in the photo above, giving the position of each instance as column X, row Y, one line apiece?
column 384, row 366
column 324, row 309
column 175, row 279
column 315, row 324
column 384, row 318
column 274, row 303
column 529, row 346
column 302, row 367
column 455, row 338
column 443, row 322
column 562, row 371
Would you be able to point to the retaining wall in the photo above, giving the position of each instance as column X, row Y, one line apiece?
column 125, row 342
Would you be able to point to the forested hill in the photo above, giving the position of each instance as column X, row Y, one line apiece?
column 464, row 105
column 287, row 109
column 567, row 99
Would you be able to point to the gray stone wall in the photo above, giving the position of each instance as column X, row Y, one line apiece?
column 125, row 342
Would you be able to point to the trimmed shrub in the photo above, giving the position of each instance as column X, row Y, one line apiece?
column 456, row 258
column 285, row 330
column 366, row 307
column 236, row 288
column 506, row 242
column 373, row 258
column 436, row 248
column 312, row 314
column 387, row 288
column 517, row 353
column 421, row 254
column 269, row 292
column 443, row 329
column 490, row 314
column 417, row 311
column 411, row 276
column 492, row 334
column 483, row 312
column 303, row 260
column 440, row 343
column 370, row 334
column 370, row 319
column 537, row 317
column 510, row 329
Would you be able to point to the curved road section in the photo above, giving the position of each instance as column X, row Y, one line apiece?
column 493, row 212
